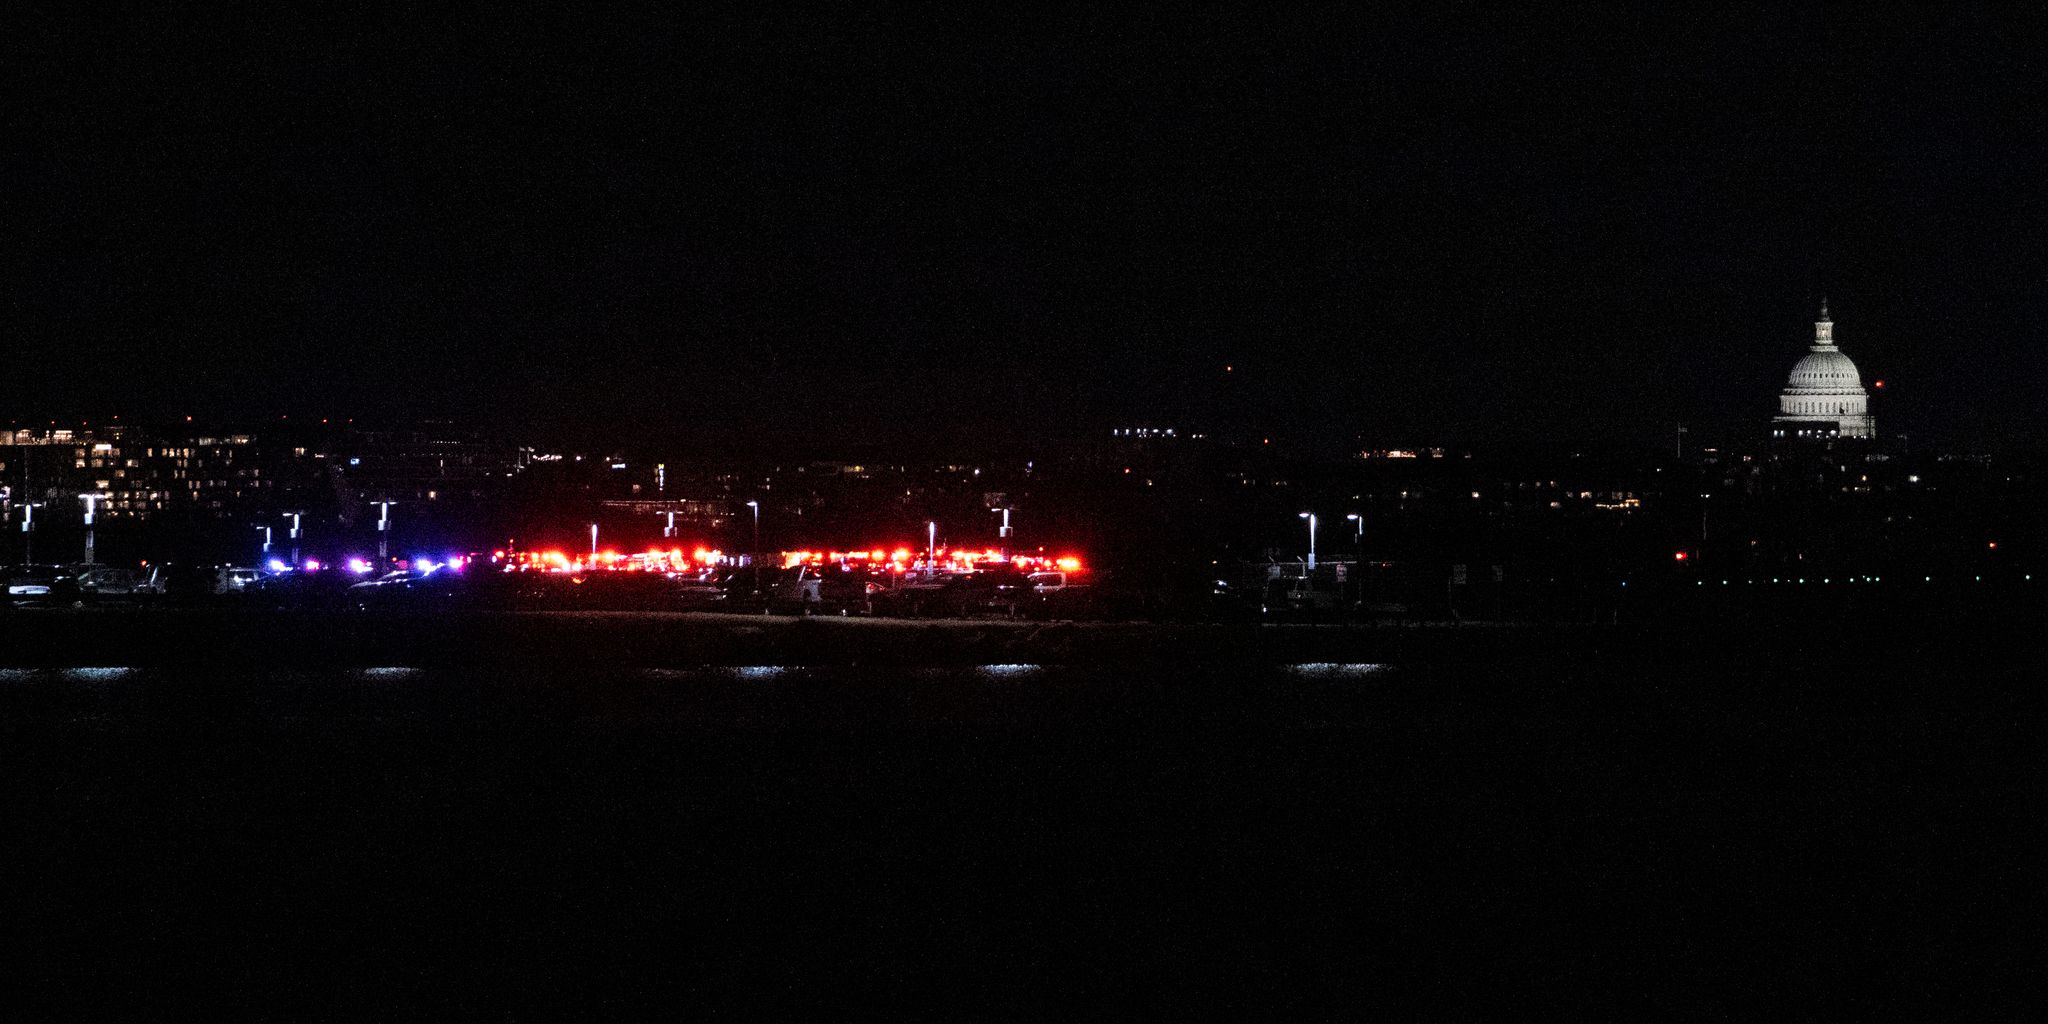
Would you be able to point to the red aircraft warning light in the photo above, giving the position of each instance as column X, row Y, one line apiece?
column 1678, row 556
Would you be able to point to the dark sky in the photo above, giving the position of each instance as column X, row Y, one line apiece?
column 1485, row 228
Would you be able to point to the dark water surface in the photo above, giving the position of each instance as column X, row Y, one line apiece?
column 1669, row 839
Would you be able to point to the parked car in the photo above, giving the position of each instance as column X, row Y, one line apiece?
column 824, row 590
column 795, row 590
column 697, row 592
column 1051, row 582
column 235, row 579
column 747, row 589
column 300, row 589
column 1000, row 592
column 914, row 597
column 850, row 590
column 403, row 589
column 1299, row 597
column 107, row 583
column 41, row 585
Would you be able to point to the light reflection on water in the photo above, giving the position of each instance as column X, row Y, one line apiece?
column 1337, row 669
column 757, row 672
column 94, row 675
column 1007, row 671
column 87, row 674
column 760, row 673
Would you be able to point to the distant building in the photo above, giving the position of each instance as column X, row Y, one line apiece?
column 1151, row 434
column 427, row 462
column 1824, row 398
column 707, row 515
column 148, row 474
column 141, row 475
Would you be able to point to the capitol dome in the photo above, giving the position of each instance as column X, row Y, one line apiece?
column 1825, row 373
column 1824, row 397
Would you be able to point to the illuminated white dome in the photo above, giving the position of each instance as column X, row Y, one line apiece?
column 1825, row 395
column 1826, row 372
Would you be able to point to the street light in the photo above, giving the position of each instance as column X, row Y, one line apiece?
column 1311, row 517
column 383, row 530
column 931, row 546
column 754, row 558
column 593, row 543
column 1004, row 533
column 1358, row 534
column 28, row 530
column 669, row 530
column 266, row 540
column 91, row 506
column 295, row 534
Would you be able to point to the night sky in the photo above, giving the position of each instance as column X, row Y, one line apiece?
column 1472, row 228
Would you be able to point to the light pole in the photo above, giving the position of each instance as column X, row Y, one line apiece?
column 383, row 531
column 754, row 558
column 1311, row 517
column 593, row 543
column 91, row 503
column 1704, row 500
column 266, row 540
column 1358, row 533
column 294, row 534
column 931, row 547
column 1004, row 533
column 669, row 530
column 28, row 531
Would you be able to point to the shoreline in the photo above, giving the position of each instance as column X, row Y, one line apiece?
column 230, row 638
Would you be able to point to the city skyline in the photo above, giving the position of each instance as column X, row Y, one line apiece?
column 1267, row 509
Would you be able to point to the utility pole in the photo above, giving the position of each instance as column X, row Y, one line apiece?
column 1678, row 445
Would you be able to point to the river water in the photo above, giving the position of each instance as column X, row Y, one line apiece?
column 441, row 842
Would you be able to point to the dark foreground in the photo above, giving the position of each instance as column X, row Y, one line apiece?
column 1802, row 828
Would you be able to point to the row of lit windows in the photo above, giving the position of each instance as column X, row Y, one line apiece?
column 177, row 472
